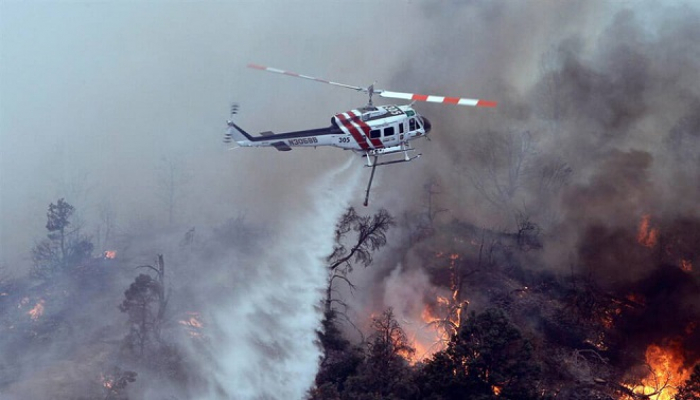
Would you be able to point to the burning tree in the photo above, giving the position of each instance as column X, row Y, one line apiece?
column 489, row 356
column 384, row 371
column 63, row 247
column 115, row 383
column 690, row 390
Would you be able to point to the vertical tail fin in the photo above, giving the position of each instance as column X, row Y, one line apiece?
column 237, row 134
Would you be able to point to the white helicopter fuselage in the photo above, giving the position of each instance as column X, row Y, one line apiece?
column 370, row 130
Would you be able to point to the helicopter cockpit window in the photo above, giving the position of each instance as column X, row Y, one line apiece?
column 375, row 133
column 389, row 131
column 412, row 124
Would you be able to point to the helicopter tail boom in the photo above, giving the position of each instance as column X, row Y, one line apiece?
column 281, row 141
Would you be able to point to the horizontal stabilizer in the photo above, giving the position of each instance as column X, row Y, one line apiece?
column 281, row 146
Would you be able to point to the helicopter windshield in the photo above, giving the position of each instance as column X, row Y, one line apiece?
column 426, row 124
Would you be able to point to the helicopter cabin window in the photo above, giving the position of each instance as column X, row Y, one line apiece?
column 412, row 124
column 389, row 131
column 375, row 133
column 401, row 127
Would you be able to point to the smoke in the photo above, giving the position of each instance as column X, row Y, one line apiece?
column 266, row 342
column 103, row 104
column 596, row 128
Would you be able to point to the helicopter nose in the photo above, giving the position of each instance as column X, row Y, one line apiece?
column 426, row 124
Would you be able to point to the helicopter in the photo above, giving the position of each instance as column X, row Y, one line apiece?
column 371, row 131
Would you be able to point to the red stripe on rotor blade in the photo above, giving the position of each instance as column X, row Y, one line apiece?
column 353, row 132
column 376, row 142
column 420, row 97
column 256, row 66
column 290, row 73
column 486, row 103
column 451, row 100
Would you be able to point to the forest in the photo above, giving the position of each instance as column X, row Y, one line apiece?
column 533, row 335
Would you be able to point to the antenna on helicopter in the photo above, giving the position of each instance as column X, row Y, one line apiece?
column 370, row 90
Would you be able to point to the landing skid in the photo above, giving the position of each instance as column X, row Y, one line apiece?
column 374, row 163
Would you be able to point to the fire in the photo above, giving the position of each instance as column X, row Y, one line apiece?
column 647, row 236
column 110, row 254
column 37, row 311
column 443, row 315
column 193, row 324
column 496, row 390
column 686, row 265
column 107, row 383
column 667, row 372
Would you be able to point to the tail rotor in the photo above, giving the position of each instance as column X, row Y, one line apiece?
column 228, row 137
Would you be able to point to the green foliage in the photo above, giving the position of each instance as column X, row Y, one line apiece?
column 488, row 354
column 141, row 305
column 58, row 217
column 340, row 360
column 385, row 372
column 63, row 249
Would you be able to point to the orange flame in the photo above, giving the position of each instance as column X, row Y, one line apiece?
column 647, row 236
column 107, row 383
column 667, row 372
column 686, row 265
column 37, row 311
column 192, row 324
column 443, row 316
column 110, row 254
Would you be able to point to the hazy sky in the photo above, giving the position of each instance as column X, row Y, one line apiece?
column 94, row 95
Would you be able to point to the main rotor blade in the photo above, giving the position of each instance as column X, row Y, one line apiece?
column 437, row 99
column 279, row 71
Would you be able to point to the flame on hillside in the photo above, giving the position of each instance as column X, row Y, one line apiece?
column 442, row 317
column 107, row 382
column 193, row 324
column 647, row 236
column 110, row 254
column 37, row 311
column 686, row 265
column 667, row 372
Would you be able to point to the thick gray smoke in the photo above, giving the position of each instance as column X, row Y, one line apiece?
column 596, row 127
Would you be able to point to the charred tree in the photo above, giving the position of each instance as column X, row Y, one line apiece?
column 370, row 236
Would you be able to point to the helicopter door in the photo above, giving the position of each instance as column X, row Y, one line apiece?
column 389, row 135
